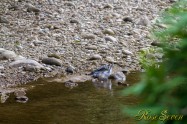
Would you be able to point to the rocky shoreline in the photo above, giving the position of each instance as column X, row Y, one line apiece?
column 47, row 38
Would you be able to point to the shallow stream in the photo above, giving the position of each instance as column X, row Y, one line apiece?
column 53, row 103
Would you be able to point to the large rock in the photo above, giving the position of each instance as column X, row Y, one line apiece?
column 7, row 54
column 25, row 62
column 52, row 61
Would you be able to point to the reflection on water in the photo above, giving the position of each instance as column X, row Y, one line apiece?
column 53, row 103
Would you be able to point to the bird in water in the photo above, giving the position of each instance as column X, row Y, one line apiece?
column 103, row 72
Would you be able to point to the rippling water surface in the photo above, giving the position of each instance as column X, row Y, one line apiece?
column 53, row 103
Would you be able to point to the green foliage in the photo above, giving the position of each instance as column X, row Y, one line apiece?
column 164, row 87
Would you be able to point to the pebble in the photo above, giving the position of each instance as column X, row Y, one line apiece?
column 110, row 59
column 88, row 36
column 7, row 54
column 22, row 99
column 3, row 20
column 110, row 38
column 91, row 47
column 4, row 97
column 2, row 67
column 69, row 4
column 19, row 93
column 52, row 61
column 54, row 55
column 144, row 21
column 31, row 8
column 37, row 43
column 70, row 69
column 74, row 21
column 109, row 32
column 127, row 52
column 108, row 6
column 70, row 84
column 127, row 19
column 96, row 57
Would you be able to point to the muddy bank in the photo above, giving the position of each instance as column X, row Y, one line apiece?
column 48, row 38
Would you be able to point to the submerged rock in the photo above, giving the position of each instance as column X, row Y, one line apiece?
column 22, row 99
column 70, row 84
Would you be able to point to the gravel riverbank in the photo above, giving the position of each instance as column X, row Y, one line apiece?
column 44, row 38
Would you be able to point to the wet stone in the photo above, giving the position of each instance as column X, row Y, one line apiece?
column 70, row 69
column 22, row 99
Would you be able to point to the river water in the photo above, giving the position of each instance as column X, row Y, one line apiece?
column 53, row 103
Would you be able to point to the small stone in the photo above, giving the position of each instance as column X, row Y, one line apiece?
column 7, row 54
column 2, row 67
column 110, row 38
column 70, row 84
column 37, row 43
column 144, row 21
column 109, row 32
column 108, row 6
column 22, row 99
column 88, row 36
column 110, row 59
column 96, row 57
column 31, row 8
column 74, row 21
column 51, row 2
column 127, row 52
column 3, row 20
column 91, row 47
column 19, row 93
column 70, row 69
column 69, row 4
column 52, row 61
column 157, row 44
column 54, row 55
column 4, row 97
column 127, row 19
